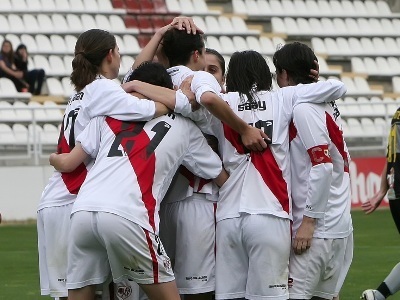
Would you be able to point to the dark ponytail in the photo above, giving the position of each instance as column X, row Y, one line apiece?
column 91, row 48
column 248, row 73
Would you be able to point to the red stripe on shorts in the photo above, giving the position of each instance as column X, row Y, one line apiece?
column 153, row 256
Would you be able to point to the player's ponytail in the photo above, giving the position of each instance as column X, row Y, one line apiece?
column 91, row 48
column 248, row 73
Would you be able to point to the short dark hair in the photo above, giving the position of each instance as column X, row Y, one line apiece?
column 297, row 59
column 178, row 45
column 153, row 73
column 220, row 58
column 248, row 73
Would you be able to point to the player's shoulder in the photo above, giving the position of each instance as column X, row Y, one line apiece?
column 306, row 110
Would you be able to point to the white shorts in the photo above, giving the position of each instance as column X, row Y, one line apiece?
column 253, row 257
column 53, row 225
column 187, row 230
column 102, row 242
column 348, row 258
column 316, row 272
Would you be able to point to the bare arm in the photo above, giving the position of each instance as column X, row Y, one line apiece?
column 156, row 93
column 16, row 74
column 67, row 162
column 374, row 202
column 150, row 50
column 222, row 178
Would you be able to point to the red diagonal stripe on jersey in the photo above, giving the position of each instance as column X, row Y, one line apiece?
column 202, row 183
column 292, row 131
column 144, row 167
column 73, row 180
column 234, row 138
column 266, row 165
column 336, row 136
column 269, row 170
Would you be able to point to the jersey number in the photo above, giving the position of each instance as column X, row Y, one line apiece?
column 267, row 127
column 127, row 135
column 68, row 124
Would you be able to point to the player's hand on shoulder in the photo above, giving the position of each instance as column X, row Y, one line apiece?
column 185, row 88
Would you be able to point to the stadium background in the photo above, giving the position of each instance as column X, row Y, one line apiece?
column 356, row 41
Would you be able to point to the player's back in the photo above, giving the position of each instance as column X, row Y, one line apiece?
column 337, row 220
column 260, row 178
column 136, row 161
column 100, row 97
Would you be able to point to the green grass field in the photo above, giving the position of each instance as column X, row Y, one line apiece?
column 376, row 251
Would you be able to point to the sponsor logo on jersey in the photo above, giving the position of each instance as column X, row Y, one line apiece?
column 283, row 286
column 135, row 270
column 260, row 105
column 200, row 278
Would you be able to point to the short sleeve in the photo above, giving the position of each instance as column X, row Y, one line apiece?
column 204, row 82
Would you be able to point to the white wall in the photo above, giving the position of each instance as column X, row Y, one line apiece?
column 20, row 190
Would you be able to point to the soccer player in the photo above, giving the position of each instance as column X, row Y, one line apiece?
column 145, row 155
column 188, row 212
column 388, row 287
column 390, row 185
column 322, row 244
column 390, row 179
column 96, row 63
column 253, row 263
column 187, row 226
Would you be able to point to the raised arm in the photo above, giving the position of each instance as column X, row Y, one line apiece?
column 150, row 50
column 319, row 92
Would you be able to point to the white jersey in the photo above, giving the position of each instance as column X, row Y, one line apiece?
column 101, row 97
column 135, row 163
column 320, row 170
column 259, row 182
column 185, row 183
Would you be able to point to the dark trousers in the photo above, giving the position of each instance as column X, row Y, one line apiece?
column 35, row 80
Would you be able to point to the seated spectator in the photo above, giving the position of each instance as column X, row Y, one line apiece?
column 33, row 77
column 8, row 68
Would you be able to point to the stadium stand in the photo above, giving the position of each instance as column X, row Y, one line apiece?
column 356, row 41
